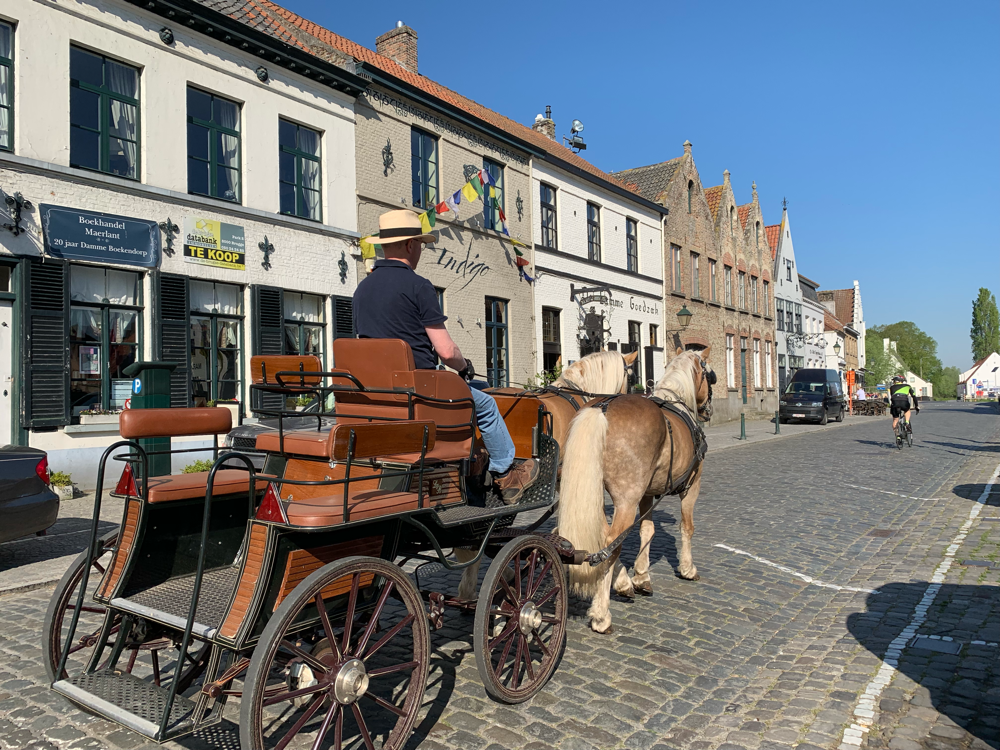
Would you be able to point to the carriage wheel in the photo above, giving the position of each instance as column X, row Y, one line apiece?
column 520, row 626
column 356, row 677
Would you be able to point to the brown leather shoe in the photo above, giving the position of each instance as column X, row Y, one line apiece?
column 520, row 476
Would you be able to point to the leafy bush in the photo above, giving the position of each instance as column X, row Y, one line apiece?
column 198, row 466
column 60, row 479
column 304, row 400
column 544, row 378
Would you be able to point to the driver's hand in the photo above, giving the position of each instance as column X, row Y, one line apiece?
column 470, row 370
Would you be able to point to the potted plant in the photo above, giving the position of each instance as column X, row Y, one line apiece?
column 99, row 416
column 62, row 484
column 197, row 467
column 302, row 402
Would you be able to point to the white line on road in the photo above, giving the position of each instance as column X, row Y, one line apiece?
column 803, row 576
column 864, row 711
column 887, row 492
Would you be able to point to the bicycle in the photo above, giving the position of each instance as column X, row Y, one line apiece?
column 904, row 432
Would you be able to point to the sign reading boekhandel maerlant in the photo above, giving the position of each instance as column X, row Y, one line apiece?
column 212, row 243
column 88, row 235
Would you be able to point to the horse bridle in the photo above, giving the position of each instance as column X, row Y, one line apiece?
column 705, row 410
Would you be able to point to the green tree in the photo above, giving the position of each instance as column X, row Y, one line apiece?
column 946, row 383
column 985, row 325
column 917, row 349
column 880, row 366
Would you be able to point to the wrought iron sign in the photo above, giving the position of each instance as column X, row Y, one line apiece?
column 589, row 294
column 519, row 204
column 15, row 204
column 169, row 229
column 267, row 248
column 342, row 265
column 388, row 160
column 470, row 171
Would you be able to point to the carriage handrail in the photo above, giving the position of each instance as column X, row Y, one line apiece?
column 92, row 547
column 200, row 571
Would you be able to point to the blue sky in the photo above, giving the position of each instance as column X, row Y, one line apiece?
column 880, row 122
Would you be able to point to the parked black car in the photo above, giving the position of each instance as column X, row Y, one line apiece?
column 27, row 503
column 814, row 395
column 243, row 438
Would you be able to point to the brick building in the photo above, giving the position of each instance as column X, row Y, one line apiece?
column 718, row 265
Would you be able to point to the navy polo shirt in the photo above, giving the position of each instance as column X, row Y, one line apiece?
column 393, row 302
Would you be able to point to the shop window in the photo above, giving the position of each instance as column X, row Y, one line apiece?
column 493, row 207
column 496, row 342
column 424, row 168
column 547, row 194
column 105, row 324
column 551, row 340
column 632, row 245
column 654, row 335
column 300, row 171
column 6, row 86
column 213, row 134
column 216, row 339
column 103, row 114
column 305, row 326
column 635, row 345
column 594, row 232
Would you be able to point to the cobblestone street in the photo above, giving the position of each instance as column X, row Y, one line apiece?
column 849, row 596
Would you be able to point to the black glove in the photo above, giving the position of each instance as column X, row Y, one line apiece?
column 469, row 372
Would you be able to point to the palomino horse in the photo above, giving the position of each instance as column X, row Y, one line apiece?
column 597, row 373
column 637, row 451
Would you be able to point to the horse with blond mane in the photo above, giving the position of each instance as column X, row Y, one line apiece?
column 637, row 449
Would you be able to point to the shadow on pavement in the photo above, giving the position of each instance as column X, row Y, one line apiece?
column 962, row 678
column 988, row 447
column 67, row 536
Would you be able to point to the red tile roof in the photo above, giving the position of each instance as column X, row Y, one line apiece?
column 843, row 300
column 714, row 197
column 976, row 366
column 830, row 323
column 744, row 214
column 367, row 56
column 773, row 233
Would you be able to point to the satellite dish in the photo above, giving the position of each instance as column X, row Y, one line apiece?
column 577, row 127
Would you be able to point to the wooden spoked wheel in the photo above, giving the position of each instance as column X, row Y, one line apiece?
column 520, row 626
column 342, row 662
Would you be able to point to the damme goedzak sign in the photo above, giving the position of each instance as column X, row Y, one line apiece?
column 213, row 243
column 74, row 234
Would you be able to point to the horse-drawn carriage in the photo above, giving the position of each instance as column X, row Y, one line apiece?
column 282, row 587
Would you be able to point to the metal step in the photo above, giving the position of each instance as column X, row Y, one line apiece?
column 131, row 702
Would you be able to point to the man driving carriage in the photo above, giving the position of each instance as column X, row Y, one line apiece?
column 394, row 302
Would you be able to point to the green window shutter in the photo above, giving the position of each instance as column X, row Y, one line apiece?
column 269, row 320
column 343, row 318
column 46, row 343
column 175, row 335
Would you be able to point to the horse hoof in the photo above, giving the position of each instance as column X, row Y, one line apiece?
column 645, row 589
column 609, row 631
column 683, row 577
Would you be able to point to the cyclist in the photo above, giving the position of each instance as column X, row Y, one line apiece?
column 900, row 393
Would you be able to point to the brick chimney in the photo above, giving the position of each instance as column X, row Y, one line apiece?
column 545, row 125
column 400, row 46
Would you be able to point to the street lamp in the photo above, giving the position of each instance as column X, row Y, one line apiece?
column 836, row 348
column 684, row 316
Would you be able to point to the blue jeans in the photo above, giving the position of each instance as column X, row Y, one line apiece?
column 493, row 429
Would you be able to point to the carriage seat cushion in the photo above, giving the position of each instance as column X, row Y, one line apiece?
column 264, row 367
column 197, row 420
column 362, row 504
column 314, row 443
column 193, row 486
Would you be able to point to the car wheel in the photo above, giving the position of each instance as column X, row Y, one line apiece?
column 825, row 418
column 783, row 420
column 840, row 414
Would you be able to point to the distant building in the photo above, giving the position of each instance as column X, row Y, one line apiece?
column 846, row 305
column 981, row 378
column 921, row 387
column 811, row 352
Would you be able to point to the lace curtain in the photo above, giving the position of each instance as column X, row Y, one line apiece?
column 209, row 297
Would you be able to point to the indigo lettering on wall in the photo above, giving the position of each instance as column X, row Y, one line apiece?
column 470, row 269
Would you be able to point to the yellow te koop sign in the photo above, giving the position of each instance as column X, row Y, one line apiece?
column 214, row 243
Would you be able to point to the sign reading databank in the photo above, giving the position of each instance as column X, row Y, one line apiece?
column 212, row 243
column 88, row 235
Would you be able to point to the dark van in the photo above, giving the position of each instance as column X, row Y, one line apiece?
column 814, row 395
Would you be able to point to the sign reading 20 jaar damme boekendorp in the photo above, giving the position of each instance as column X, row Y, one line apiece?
column 74, row 234
column 213, row 243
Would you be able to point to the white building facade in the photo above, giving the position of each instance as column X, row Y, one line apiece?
column 981, row 380
column 189, row 202
column 599, row 270
column 923, row 388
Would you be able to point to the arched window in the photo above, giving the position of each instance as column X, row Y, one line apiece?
column 756, row 233
column 690, row 191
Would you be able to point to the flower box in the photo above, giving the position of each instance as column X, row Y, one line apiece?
column 98, row 419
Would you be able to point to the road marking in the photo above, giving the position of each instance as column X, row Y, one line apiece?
column 784, row 569
column 887, row 492
column 864, row 711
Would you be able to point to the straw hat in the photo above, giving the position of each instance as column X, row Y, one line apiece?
column 398, row 226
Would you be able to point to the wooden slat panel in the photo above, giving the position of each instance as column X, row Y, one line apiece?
column 315, row 471
column 442, row 487
column 248, row 580
column 126, row 540
column 302, row 562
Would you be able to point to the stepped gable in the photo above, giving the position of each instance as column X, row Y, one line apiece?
column 653, row 180
column 288, row 26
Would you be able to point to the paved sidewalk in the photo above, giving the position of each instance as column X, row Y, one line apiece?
column 727, row 435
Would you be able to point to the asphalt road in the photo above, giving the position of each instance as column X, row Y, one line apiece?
column 835, row 609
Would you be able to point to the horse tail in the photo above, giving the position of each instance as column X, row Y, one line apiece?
column 581, row 497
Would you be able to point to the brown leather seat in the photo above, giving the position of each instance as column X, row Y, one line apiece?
column 193, row 486
column 297, row 442
column 375, row 363
column 264, row 367
column 361, row 504
column 150, row 423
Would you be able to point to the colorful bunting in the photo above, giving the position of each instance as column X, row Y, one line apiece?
column 469, row 192
column 453, row 202
column 441, row 207
column 477, row 185
column 367, row 250
column 427, row 221
column 486, row 178
column 521, row 260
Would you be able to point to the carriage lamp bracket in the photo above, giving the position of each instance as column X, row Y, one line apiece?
column 15, row 204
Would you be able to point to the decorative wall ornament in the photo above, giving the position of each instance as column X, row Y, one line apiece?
column 519, row 204
column 166, row 36
column 15, row 204
column 267, row 248
column 388, row 161
column 342, row 265
column 470, row 171
column 261, row 74
column 169, row 229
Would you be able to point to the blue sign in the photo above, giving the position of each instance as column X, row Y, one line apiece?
column 137, row 386
column 88, row 235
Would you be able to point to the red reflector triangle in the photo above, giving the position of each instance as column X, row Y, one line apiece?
column 270, row 507
column 126, row 483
